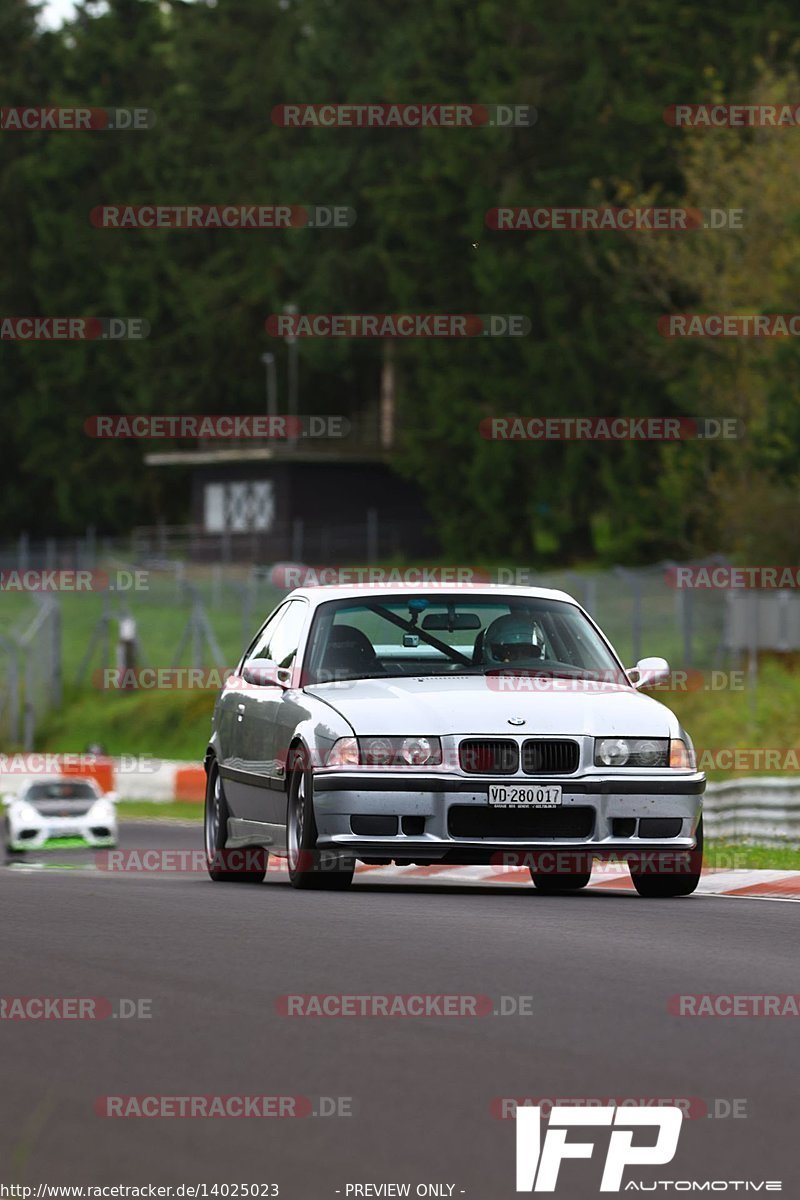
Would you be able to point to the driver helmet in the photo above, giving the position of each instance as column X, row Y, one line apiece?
column 510, row 639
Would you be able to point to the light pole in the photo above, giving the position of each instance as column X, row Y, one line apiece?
column 272, row 399
column 291, row 342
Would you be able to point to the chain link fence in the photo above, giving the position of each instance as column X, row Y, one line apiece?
column 148, row 610
column 30, row 673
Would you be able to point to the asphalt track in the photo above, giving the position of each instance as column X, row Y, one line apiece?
column 215, row 959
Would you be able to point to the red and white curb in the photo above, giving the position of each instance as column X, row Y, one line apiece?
column 613, row 879
column 758, row 885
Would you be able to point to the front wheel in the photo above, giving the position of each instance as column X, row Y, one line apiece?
column 12, row 853
column 247, row 865
column 676, row 873
column 309, row 867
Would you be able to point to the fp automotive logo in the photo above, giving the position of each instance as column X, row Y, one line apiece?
column 538, row 1162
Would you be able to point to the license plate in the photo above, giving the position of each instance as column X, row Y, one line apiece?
column 536, row 796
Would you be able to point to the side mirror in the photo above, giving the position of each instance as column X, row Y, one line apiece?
column 648, row 672
column 112, row 796
column 263, row 672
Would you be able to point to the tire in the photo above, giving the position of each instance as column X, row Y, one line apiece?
column 219, row 861
column 654, row 885
column 11, row 854
column 309, row 867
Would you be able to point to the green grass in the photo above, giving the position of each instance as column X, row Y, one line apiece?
column 737, row 856
column 146, row 810
column 767, row 717
column 162, row 724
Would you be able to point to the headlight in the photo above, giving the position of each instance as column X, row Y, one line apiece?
column 632, row 752
column 400, row 752
column 419, row 751
column 23, row 810
column 378, row 752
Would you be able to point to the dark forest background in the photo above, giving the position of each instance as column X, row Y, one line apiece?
column 600, row 77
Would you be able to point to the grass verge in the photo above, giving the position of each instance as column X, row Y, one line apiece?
column 146, row 810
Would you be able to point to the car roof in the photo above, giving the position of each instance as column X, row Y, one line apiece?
column 325, row 592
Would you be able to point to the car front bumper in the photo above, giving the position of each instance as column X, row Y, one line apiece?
column 448, row 818
column 58, row 833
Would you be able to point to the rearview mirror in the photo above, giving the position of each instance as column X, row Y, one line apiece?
column 263, row 672
column 451, row 621
column 648, row 672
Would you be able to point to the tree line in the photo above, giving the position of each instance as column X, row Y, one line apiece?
column 600, row 80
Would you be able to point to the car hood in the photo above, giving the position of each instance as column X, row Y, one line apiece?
column 476, row 705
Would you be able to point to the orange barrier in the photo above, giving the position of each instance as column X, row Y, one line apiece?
column 100, row 769
column 190, row 784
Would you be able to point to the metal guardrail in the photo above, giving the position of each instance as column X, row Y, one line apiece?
column 759, row 809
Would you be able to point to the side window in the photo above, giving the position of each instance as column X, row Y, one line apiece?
column 283, row 643
column 258, row 648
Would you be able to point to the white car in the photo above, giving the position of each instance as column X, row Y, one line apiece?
column 431, row 725
column 63, row 811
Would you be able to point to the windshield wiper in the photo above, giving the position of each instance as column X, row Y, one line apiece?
column 509, row 670
column 547, row 673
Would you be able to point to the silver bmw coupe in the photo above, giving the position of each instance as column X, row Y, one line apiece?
column 440, row 724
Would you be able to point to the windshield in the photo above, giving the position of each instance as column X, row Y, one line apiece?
column 60, row 791
column 371, row 637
